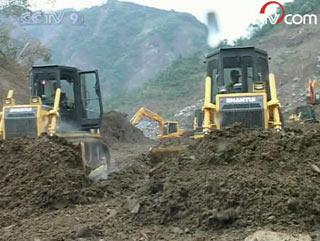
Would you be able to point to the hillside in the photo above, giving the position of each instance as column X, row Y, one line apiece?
column 14, row 77
column 179, row 85
column 295, row 58
column 295, row 52
column 128, row 43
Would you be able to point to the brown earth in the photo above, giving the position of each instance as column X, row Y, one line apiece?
column 40, row 175
column 237, row 179
column 117, row 128
column 221, row 188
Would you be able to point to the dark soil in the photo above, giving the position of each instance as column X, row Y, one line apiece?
column 235, row 179
column 223, row 187
column 40, row 175
column 117, row 128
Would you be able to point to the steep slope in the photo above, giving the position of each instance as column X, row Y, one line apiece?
column 295, row 53
column 128, row 43
column 13, row 77
column 295, row 58
column 179, row 85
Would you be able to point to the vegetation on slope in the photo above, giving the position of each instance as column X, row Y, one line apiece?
column 18, row 48
column 259, row 30
column 175, row 86
column 128, row 43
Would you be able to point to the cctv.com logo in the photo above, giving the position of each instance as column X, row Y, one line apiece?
column 290, row 19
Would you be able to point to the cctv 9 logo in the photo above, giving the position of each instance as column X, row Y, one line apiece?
column 51, row 18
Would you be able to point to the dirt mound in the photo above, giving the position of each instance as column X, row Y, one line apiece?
column 117, row 128
column 236, row 178
column 224, row 187
column 40, row 175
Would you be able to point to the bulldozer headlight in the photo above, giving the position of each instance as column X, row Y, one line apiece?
column 8, row 101
column 259, row 87
column 34, row 100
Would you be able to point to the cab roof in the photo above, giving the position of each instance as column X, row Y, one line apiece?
column 236, row 49
column 54, row 66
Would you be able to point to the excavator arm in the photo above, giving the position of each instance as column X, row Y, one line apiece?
column 313, row 90
column 146, row 113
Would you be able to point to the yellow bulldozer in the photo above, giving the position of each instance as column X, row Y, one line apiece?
column 238, row 89
column 168, row 129
column 65, row 102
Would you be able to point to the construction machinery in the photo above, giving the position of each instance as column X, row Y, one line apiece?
column 65, row 102
column 198, row 121
column 239, row 89
column 313, row 92
column 304, row 114
column 168, row 129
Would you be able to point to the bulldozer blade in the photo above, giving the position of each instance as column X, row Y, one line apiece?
column 95, row 153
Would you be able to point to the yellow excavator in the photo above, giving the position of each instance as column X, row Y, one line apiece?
column 168, row 129
column 65, row 102
column 238, row 89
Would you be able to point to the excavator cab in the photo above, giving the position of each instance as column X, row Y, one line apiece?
column 170, row 127
column 239, row 89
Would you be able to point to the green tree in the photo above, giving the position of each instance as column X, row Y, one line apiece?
column 21, row 49
column 14, row 7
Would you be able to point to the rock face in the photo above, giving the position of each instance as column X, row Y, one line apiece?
column 275, row 236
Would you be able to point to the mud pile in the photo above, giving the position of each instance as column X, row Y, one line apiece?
column 117, row 128
column 40, row 175
column 236, row 179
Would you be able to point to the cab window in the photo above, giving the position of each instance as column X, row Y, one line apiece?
column 47, row 84
column 67, row 90
column 236, row 73
column 212, row 70
column 90, row 96
column 262, row 70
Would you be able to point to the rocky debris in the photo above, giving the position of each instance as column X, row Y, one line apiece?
column 275, row 236
column 150, row 129
column 235, row 178
column 117, row 128
column 186, row 115
column 223, row 187
column 100, row 173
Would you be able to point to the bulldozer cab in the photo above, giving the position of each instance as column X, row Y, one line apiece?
column 240, row 89
column 80, row 102
column 238, row 70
